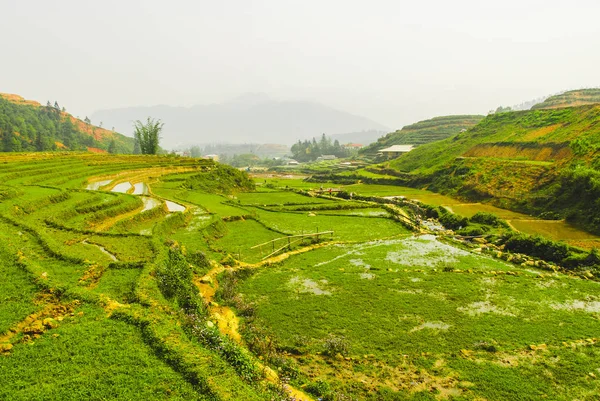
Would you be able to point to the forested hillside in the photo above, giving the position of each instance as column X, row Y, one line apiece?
column 27, row 126
column 424, row 132
column 305, row 151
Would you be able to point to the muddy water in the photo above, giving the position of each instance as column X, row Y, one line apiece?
column 553, row 229
column 122, row 187
column 141, row 188
column 174, row 207
column 94, row 186
column 149, row 203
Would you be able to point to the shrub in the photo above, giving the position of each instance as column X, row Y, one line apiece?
column 318, row 388
column 537, row 246
column 489, row 219
column 174, row 278
column 451, row 220
column 334, row 345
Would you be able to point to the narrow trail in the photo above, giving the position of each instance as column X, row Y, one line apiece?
column 228, row 322
column 112, row 256
column 34, row 325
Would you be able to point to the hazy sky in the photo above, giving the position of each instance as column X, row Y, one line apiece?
column 393, row 61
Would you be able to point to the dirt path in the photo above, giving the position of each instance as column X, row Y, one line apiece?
column 228, row 323
column 33, row 326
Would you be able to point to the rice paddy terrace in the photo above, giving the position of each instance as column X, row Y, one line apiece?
column 143, row 277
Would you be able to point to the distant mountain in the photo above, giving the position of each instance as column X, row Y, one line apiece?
column 251, row 118
column 425, row 131
column 27, row 126
column 572, row 98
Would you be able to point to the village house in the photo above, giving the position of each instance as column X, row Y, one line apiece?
column 395, row 151
column 326, row 157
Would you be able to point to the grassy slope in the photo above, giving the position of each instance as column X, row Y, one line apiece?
column 571, row 98
column 426, row 131
column 103, row 340
column 533, row 161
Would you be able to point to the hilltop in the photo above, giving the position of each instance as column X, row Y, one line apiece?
column 254, row 116
column 543, row 162
column 425, row 131
column 572, row 98
column 26, row 125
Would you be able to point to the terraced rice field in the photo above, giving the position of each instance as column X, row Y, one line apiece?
column 123, row 279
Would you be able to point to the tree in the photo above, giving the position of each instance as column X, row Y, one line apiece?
column 87, row 120
column 136, row 146
column 112, row 147
column 148, row 135
column 195, row 151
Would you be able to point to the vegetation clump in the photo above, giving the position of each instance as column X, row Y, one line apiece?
column 219, row 179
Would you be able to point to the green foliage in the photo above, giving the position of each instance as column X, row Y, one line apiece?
column 318, row 388
column 174, row 277
column 26, row 128
column 451, row 220
column 537, row 246
column 473, row 230
column 489, row 219
column 147, row 135
column 219, row 179
column 311, row 150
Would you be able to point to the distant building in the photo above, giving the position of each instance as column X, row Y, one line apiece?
column 395, row 151
column 292, row 162
column 212, row 157
column 354, row 146
column 326, row 157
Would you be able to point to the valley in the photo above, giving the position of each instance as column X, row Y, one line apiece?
column 223, row 287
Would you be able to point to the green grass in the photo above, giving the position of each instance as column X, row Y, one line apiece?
column 243, row 235
column 276, row 198
column 346, row 228
column 409, row 306
column 91, row 358
column 422, row 319
column 17, row 291
column 118, row 284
